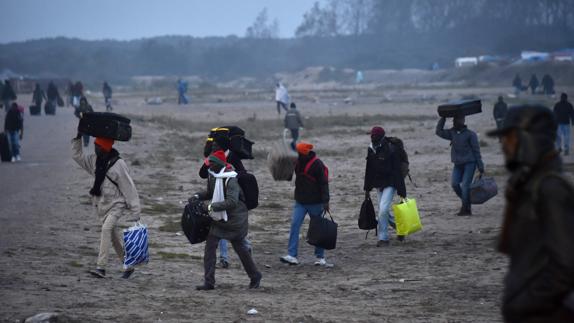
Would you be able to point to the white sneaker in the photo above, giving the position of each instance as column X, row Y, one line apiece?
column 18, row 158
column 321, row 262
column 13, row 159
column 289, row 260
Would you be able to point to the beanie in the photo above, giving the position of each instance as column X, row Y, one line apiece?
column 104, row 143
column 304, row 148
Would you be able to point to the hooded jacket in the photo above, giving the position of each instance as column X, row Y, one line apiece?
column 383, row 168
column 464, row 145
column 564, row 112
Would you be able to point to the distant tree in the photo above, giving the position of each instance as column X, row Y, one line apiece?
column 338, row 17
column 261, row 28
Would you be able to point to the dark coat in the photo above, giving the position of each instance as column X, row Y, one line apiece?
column 8, row 92
column 312, row 188
column 564, row 112
column 464, row 145
column 14, row 120
column 538, row 236
column 383, row 168
column 500, row 110
column 237, row 224
column 38, row 96
column 52, row 92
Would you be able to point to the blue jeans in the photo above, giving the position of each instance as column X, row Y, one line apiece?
column 223, row 254
column 563, row 136
column 385, row 216
column 299, row 212
column 182, row 98
column 295, row 136
column 14, row 141
column 462, row 175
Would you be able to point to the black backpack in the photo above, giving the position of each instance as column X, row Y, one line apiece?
column 400, row 149
column 248, row 184
column 367, row 216
column 195, row 222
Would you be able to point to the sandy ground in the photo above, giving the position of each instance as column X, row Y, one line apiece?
column 449, row 272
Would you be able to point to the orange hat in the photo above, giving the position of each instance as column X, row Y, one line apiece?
column 304, row 148
column 104, row 143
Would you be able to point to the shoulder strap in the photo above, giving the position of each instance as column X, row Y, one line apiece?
column 112, row 163
column 309, row 164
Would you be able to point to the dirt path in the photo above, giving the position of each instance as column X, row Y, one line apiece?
column 449, row 272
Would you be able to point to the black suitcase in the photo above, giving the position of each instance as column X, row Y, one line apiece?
column 49, row 109
column 106, row 125
column 240, row 145
column 5, row 154
column 35, row 110
column 460, row 108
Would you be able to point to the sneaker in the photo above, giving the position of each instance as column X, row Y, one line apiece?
column 19, row 159
column 321, row 262
column 99, row 273
column 204, row 287
column 382, row 243
column 289, row 260
column 254, row 283
column 224, row 263
column 13, row 159
column 127, row 273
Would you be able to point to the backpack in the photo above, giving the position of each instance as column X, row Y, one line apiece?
column 248, row 184
column 367, row 216
column 400, row 149
column 308, row 166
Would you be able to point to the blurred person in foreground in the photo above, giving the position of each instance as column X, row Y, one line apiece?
column 537, row 231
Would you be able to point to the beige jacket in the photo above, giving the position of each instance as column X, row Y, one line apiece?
column 122, row 199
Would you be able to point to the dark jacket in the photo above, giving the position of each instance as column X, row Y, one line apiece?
column 83, row 109
column 464, row 145
column 38, row 96
column 533, row 82
column 384, row 168
column 237, row 224
column 232, row 159
column 500, row 110
column 538, row 236
column 312, row 188
column 564, row 112
column 293, row 119
column 14, row 120
column 52, row 92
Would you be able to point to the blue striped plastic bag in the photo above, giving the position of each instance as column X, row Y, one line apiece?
column 407, row 217
column 135, row 245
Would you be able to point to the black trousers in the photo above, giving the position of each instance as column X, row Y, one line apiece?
column 210, row 259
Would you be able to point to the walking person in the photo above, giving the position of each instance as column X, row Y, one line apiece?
column 499, row 112
column 281, row 97
column 465, row 155
column 114, row 196
column 38, row 96
column 221, row 142
column 517, row 84
column 84, row 107
column 234, row 229
column 14, row 128
column 311, row 197
column 8, row 95
column 533, row 84
column 538, row 221
column 107, row 92
column 53, row 95
column 293, row 122
column 564, row 113
column 383, row 172
column 181, row 92
column 548, row 84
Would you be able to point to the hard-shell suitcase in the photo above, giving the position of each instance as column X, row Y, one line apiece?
column 5, row 153
column 460, row 108
column 49, row 109
column 106, row 125
column 35, row 110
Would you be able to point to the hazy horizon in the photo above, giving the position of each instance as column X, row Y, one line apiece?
column 131, row 19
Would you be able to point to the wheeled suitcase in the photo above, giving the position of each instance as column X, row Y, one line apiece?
column 106, row 125
column 35, row 110
column 49, row 109
column 5, row 154
column 459, row 108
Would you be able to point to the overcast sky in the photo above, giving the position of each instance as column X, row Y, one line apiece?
column 130, row 19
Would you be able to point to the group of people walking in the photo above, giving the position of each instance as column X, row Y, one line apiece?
column 547, row 84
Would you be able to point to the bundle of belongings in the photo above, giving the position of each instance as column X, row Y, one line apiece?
column 281, row 160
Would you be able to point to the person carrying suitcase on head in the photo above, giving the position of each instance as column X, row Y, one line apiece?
column 311, row 197
column 113, row 194
column 465, row 155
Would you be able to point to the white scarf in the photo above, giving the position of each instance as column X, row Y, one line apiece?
column 218, row 192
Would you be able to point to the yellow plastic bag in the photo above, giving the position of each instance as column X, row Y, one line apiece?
column 407, row 217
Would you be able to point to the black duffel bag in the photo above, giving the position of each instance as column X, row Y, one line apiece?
column 106, row 125
column 322, row 232
column 195, row 222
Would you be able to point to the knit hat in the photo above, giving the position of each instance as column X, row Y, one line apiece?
column 104, row 143
column 218, row 158
column 304, row 148
column 377, row 132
